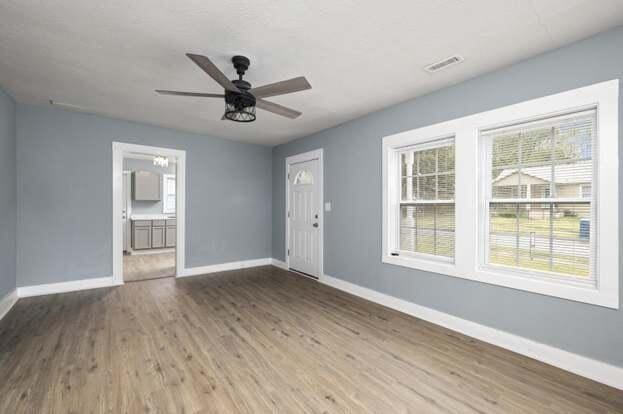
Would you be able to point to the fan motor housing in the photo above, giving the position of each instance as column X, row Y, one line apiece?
column 242, row 99
column 241, row 63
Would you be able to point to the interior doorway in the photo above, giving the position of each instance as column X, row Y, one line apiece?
column 149, row 217
column 304, row 213
column 148, row 212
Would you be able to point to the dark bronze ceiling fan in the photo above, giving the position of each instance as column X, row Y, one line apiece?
column 240, row 98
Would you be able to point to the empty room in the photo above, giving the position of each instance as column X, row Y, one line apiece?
column 323, row 206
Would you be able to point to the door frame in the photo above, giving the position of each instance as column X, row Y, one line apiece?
column 316, row 154
column 127, row 179
column 119, row 151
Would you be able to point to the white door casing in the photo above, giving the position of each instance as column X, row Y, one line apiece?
column 127, row 207
column 121, row 150
column 304, row 214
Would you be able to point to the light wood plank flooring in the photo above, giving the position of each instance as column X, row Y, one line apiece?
column 261, row 340
column 148, row 266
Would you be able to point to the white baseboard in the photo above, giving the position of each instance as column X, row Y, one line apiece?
column 7, row 302
column 222, row 267
column 590, row 368
column 151, row 251
column 62, row 287
column 279, row 264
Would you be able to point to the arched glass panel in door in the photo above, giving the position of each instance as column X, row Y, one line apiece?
column 303, row 177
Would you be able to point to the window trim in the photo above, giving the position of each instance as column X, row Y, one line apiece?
column 468, row 189
column 165, row 177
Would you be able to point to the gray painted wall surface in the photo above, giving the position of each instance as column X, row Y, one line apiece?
column 64, row 191
column 8, row 196
column 352, row 154
column 147, row 207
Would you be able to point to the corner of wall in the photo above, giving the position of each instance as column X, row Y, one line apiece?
column 8, row 204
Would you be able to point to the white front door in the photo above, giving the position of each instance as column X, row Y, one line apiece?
column 304, row 212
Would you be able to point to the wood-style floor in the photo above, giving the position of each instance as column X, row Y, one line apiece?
column 261, row 340
column 148, row 266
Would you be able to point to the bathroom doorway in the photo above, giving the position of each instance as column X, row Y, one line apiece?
column 148, row 200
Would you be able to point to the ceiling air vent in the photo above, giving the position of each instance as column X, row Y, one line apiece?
column 442, row 64
column 65, row 105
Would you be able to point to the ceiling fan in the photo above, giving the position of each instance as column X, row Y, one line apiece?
column 240, row 98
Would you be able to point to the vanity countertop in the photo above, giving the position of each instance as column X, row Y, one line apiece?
column 152, row 216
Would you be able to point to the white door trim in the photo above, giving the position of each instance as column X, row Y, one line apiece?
column 295, row 159
column 127, row 179
column 119, row 150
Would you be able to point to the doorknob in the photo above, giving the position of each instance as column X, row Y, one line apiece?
column 315, row 224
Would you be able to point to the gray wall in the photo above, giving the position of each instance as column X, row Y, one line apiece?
column 147, row 207
column 64, row 192
column 353, row 185
column 8, row 203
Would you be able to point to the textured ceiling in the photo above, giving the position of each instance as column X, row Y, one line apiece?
column 359, row 55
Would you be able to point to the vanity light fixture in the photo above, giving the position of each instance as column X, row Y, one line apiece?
column 161, row 161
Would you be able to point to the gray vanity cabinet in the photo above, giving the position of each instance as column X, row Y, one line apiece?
column 157, row 236
column 146, row 186
column 141, row 234
column 171, row 232
column 153, row 234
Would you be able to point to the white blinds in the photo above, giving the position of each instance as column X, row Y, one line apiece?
column 427, row 199
column 539, row 197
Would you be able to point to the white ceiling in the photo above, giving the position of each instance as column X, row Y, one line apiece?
column 359, row 55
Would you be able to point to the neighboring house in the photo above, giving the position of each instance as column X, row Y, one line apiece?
column 570, row 181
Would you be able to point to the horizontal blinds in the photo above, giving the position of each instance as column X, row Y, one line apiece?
column 543, row 165
column 437, row 143
column 427, row 198
column 540, row 123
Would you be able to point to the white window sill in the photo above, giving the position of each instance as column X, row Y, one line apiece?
column 555, row 288
column 441, row 267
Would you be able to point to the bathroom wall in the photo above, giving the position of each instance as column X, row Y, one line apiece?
column 147, row 207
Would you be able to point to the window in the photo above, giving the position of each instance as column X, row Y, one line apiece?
column 546, row 229
column 524, row 196
column 427, row 199
column 168, row 204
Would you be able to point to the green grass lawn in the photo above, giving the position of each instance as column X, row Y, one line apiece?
column 539, row 260
column 563, row 227
column 425, row 243
column 567, row 228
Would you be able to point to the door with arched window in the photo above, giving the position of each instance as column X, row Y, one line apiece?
column 304, row 217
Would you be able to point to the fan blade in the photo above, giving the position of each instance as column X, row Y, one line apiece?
column 277, row 109
column 214, row 72
column 281, row 88
column 202, row 95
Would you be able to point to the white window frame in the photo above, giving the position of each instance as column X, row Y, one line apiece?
column 165, row 177
column 422, row 146
column 470, row 223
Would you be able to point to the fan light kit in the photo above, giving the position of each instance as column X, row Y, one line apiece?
column 240, row 98
column 160, row 161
